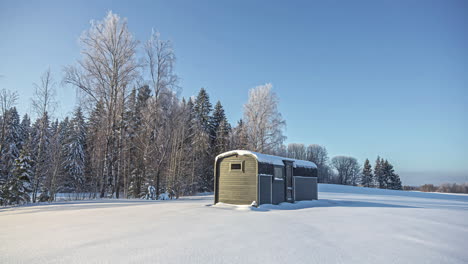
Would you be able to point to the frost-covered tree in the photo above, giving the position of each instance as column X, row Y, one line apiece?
column 347, row 168
column 160, row 60
column 75, row 151
column 12, row 143
column 319, row 155
column 18, row 187
column 43, row 104
column 40, row 154
column 25, row 130
column 239, row 139
column 297, row 151
column 104, row 74
column 263, row 121
column 367, row 177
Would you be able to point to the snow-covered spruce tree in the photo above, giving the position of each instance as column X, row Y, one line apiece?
column 203, row 108
column 221, row 129
column 25, row 130
column 12, row 142
column 17, row 188
column 41, row 137
column 263, row 121
column 43, row 104
column 75, row 151
column 203, row 141
column 140, row 126
column 95, row 142
column 367, row 177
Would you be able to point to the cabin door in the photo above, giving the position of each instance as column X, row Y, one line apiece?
column 289, row 184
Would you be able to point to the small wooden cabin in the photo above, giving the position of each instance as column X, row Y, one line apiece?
column 247, row 177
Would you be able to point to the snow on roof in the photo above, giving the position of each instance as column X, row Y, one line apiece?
column 264, row 158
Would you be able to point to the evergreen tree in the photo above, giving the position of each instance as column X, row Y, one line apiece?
column 203, row 109
column 12, row 143
column 17, row 188
column 240, row 139
column 75, row 151
column 387, row 171
column 137, row 140
column 41, row 140
column 221, row 128
column 378, row 173
column 392, row 179
column 367, row 177
column 218, row 117
column 25, row 130
column 397, row 182
column 95, row 142
column 222, row 137
column 203, row 141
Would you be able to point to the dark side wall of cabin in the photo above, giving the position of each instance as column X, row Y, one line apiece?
column 272, row 188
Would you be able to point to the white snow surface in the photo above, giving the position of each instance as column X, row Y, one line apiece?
column 275, row 160
column 347, row 225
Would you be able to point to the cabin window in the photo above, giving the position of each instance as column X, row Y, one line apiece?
column 279, row 175
column 236, row 166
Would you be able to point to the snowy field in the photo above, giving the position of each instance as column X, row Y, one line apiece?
column 347, row 225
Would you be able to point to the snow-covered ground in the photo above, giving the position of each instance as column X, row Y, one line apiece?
column 347, row 225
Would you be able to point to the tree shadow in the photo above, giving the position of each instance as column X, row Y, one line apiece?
column 91, row 204
column 307, row 205
column 325, row 203
column 345, row 189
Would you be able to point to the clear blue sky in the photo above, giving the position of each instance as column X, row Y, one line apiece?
column 363, row 78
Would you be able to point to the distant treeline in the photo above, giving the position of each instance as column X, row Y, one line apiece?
column 345, row 169
column 443, row 188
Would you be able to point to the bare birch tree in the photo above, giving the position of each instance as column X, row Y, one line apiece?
column 105, row 72
column 43, row 103
column 157, row 125
column 263, row 121
column 348, row 169
column 319, row 155
column 297, row 151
